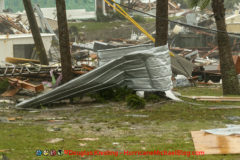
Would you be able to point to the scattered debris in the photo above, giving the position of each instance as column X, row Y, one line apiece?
column 88, row 139
column 181, row 81
column 55, row 140
column 53, row 129
column 115, row 143
column 136, row 115
column 4, row 120
column 139, row 67
column 25, row 85
column 214, row 98
column 230, row 130
column 14, row 60
column 234, row 118
column 224, row 107
column 10, row 92
column 7, row 101
column 82, row 144
column 4, row 150
column 14, row 118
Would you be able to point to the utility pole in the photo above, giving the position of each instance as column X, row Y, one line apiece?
column 64, row 41
column 41, row 52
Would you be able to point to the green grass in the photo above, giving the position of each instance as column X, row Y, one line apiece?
column 200, row 91
column 95, row 26
column 165, row 126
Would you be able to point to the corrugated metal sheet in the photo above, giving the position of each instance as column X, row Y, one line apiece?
column 179, row 64
column 145, row 70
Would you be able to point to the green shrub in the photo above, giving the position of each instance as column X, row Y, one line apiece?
column 3, row 85
column 139, row 19
column 111, row 94
column 152, row 98
column 135, row 102
column 109, row 17
column 120, row 93
column 102, row 96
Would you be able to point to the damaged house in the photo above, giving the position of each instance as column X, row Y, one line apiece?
column 16, row 39
column 76, row 10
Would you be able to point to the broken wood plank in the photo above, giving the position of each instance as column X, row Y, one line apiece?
column 26, row 85
column 210, row 97
column 11, row 92
column 215, row 144
column 210, row 52
column 79, row 72
column 14, row 60
column 219, row 100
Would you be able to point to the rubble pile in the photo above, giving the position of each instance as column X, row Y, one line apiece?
column 194, row 56
column 12, row 25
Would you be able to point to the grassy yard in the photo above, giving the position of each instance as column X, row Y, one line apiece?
column 106, row 31
column 113, row 127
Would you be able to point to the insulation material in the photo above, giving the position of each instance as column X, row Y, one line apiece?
column 144, row 70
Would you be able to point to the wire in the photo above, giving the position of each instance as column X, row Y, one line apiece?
column 183, row 24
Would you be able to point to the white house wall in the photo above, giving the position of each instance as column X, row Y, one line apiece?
column 7, row 43
column 73, row 14
column 2, row 5
column 6, row 49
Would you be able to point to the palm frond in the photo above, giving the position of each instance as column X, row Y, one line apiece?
column 204, row 4
column 194, row 3
column 201, row 3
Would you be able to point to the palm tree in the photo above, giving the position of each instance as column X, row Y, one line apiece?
column 64, row 41
column 41, row 52
column 161, row 23
column 229, row 75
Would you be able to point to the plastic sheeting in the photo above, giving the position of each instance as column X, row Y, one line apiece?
column 144, row 70
column 230, row 130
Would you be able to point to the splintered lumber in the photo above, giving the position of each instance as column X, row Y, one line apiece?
column 215, row 144
column 14, row 60
column 25, row 70
column 87, row 67
column 7, row 20
column 11, row 92
column 214, row 98
column 26, row 85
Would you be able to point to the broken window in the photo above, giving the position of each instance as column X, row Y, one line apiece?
column 24, row 51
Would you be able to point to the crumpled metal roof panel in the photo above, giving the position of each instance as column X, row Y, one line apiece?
column 145, row 70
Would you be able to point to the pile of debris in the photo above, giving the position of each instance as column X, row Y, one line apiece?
column 12, row 25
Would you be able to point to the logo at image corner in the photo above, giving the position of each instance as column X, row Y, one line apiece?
column 45, row 152
column 38, row 152
column 60, row 152
column 53, row 152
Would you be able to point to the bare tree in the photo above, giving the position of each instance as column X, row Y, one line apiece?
column 41, row 52
column 64, row 41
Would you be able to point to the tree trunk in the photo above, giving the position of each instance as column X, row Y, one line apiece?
column 64, row 41
column 41, row 52
column 99, row 9
column 229, row 75
column 161, row 23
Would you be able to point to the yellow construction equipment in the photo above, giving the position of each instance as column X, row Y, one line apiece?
column 119, row 9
